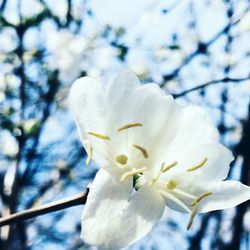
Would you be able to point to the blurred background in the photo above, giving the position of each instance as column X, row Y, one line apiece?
column 198, row 51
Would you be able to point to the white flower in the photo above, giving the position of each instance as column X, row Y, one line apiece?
column 68, row 54
column 8, row 144
column 246, row 221
column 245, row 23
column 153, row 153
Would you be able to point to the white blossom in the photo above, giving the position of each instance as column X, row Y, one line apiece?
column 68, row 54
column 8, row 144
column 153, row 153
column 246, row 221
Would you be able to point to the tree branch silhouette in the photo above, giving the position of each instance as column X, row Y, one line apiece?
column 78, row 199
column 204, row 85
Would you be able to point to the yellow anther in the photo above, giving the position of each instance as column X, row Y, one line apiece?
column 90, row 154
column 172, row 184
column 143, row 150
column 132, row 173
column 153, row 181
column 89, row 151
column 201, row 197
column 122, row 159
column 194, row 212
column 165, row 168
column 100, row 136
column 131, row 125
column 199, row 165
column 196, row 204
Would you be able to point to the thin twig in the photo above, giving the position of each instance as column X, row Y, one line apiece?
column 201, row 86
column 75, row 200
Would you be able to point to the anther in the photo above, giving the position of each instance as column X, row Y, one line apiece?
column 199, row 165
column 100, row 136
column 132, row 173
column 201, row 197
column 90, row 154
column 122, row 159
column 172, row 184
column 143, row 150
column 196, row 204
column 89, row 151
column 165, row 168
column 131, row 125
column 194, row 212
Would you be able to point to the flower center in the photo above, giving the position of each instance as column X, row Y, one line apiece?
column 170, row 190
column 122, row 159
column 131, row 166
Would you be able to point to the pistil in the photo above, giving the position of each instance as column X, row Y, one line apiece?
column 122, row 159
column 172, row 184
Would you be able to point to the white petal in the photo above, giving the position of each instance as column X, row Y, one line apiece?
column 122, row 86
column 87, row 105
column 214, row 169
column 157, row 128
column 194, row 128
column 226, row 194
column 196, row 140
column 111, row 219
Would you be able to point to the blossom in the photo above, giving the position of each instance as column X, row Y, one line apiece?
column 8, row 144
column 246, row 221
column 68, row 54
column 153, row 153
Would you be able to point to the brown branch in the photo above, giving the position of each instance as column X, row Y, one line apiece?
column 202, row 48
column 75, row 200
column 204, row 85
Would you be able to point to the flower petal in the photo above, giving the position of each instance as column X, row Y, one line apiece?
column 87, row 104
column 122, row 86
column 195, row 141
column 134, row 108
column 112, row 218
column 226, row 194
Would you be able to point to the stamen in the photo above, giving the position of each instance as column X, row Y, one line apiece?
column 90, row 154
column 199, row 165
column 175, row 200
column 143, row 150
column 201, row 197
column 194, row 212
column 168, row 167
column 184, row 194
column 163, row 170
column 172, row 184
column 196, row 205
column 122, row 159
column 100, row 136
column 131, row 125
column 132, row 173
column 89, row 151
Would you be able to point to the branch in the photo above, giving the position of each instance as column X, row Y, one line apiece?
column 75, row 200
column 201, row 86
column 202, row 48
